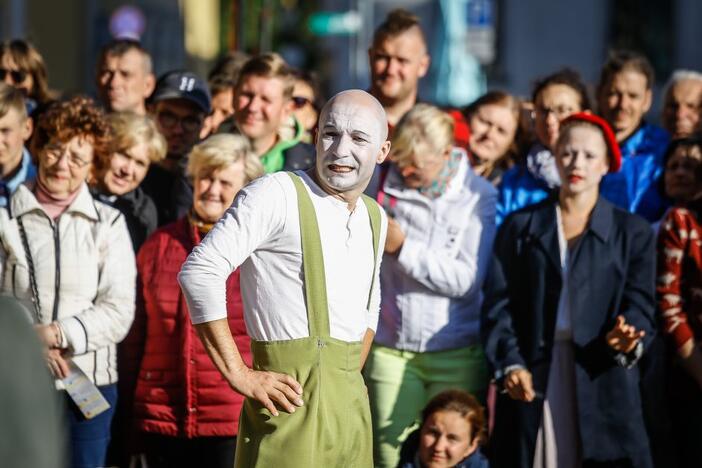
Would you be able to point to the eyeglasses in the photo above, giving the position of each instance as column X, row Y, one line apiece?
column 55, row 152
column 189, row 123
column 17, row 76
column 560, row 112
column 300, row 101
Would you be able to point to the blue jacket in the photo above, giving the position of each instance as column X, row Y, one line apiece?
column 635, row 186
column 528, row 182
column 519, row 188
column 26, row 172
column 409, row 455
column 613, row 271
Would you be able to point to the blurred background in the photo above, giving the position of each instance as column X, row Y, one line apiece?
column 475, row 44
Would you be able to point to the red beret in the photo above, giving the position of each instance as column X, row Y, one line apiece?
column 615, row 154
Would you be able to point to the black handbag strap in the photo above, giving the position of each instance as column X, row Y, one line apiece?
column 30, row 267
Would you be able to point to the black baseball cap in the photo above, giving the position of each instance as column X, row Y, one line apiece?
column 183, row 85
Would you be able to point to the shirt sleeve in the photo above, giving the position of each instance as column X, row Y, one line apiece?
column 463, row 274
column 256, row 216
column 671, row 247
column 374, row 309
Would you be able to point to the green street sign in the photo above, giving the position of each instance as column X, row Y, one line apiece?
column 332, row 23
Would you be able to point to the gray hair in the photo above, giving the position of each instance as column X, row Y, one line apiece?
column 677, row 77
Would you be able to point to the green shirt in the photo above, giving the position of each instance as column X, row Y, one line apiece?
column 274, row 160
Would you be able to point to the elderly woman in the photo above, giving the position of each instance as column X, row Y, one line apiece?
column 555, row 97
column 69, row 258
column 494, row 121
column 136, row 143
column 438, row 244
column 184, row 410
column 22, row 66
column 568, row 313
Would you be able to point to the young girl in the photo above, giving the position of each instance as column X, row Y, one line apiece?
column 568, row 312
column 452, row 430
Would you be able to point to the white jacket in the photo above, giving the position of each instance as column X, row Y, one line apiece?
column 431, row 292
column 84, row 270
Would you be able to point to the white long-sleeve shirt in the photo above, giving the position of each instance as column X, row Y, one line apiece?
column 261, row 233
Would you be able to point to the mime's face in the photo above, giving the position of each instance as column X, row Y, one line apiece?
column 350, row 143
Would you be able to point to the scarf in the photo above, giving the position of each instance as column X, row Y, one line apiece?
column 541, row 164
column 438, row 187
column 201, row 226
column 52, row 205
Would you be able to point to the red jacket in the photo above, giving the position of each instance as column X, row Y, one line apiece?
column 179, row 392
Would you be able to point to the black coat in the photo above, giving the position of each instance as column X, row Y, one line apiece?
column 139, row 211
column 612, row 273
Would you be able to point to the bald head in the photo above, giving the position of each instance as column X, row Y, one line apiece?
column 362, row 100
column 351, row 140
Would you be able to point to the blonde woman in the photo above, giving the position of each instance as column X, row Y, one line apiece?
column 184, row 411
column 136, row 144
column 440, row 231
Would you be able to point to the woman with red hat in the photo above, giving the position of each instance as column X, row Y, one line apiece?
column 568, row 311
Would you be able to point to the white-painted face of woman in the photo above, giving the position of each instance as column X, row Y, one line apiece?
column 351, row 141
column 581, row 158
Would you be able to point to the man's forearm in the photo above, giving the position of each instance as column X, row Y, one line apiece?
column 367, row 342
column 217, row 339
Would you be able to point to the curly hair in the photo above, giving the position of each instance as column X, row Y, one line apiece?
column 78, row 116
column 219, row 151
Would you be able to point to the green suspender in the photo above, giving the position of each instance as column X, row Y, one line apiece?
column 374, row 215
column 313, row 258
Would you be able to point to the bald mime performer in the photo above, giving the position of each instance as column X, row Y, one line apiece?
column 309, row 246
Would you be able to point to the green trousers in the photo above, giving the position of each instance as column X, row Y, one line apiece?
column 401, row 383
column 333, row 428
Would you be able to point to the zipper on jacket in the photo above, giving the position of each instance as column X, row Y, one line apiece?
column 57, row 277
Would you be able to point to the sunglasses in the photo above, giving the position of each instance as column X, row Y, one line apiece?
column 299, row 102
column 17, row 76
column 188, row 123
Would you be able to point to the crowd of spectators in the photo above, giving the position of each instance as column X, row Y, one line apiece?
column 541, row 276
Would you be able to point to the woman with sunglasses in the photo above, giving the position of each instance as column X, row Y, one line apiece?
column 22, row 66
column 568, row 311
column 69, row 259
column 306, row 102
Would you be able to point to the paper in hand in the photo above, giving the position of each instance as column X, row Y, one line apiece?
column 84, row 393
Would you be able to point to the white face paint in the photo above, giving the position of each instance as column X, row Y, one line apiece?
column 349, row 144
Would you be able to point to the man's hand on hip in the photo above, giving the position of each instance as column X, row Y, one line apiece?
column 271, row 389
